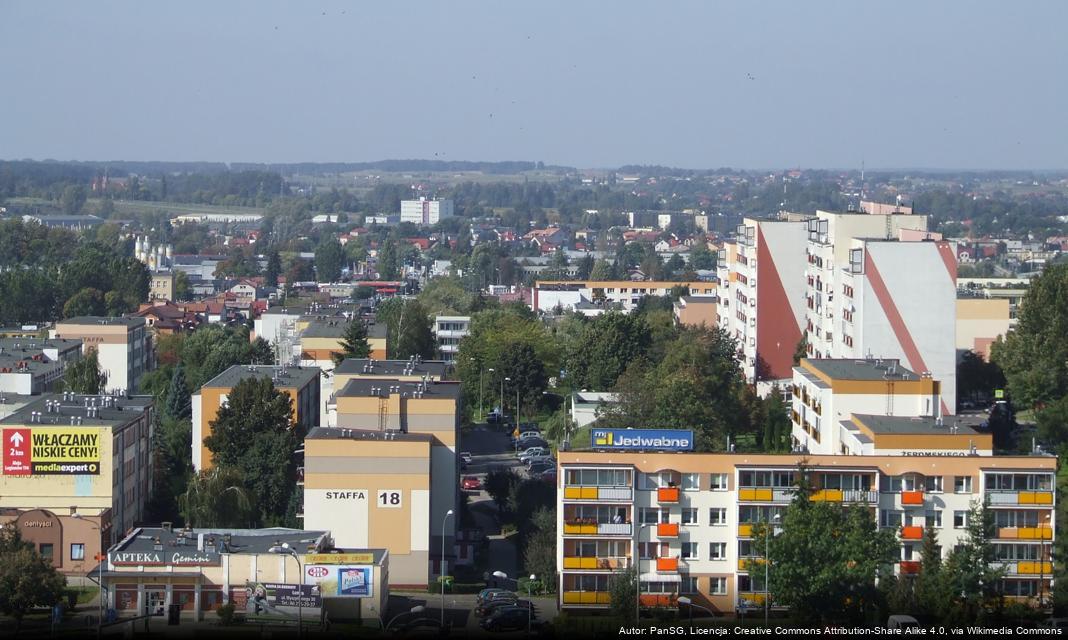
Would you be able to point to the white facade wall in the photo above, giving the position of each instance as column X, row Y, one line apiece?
column 425, row 212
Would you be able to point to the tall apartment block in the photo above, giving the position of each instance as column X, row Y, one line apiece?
column 687, row 520
column 121, row 344
column 386, row 476
column 762, row 284
column 869, row 295
column 301, row 384
column 424, row 211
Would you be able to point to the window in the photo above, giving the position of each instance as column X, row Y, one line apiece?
column 691, row 481
column 1019, row 482
column 77, row 552
column 934, row 484
column 47, row 551
column 1014, row 518
column 689, row 516
column 962, row 484
column 650, row 481
column 717, row 516
column 890, row 518
column 718, row 482
column 689, row 584
column 649, row 515
column 648, row 550
column 717, row 551
column 933, row 519
column 890, row 484
column 960, row 519
column 689, row 551
column 717, row 585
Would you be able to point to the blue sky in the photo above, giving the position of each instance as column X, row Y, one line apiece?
column 970, row 85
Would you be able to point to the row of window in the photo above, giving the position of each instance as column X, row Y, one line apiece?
column 47, row 549
column 787, row 479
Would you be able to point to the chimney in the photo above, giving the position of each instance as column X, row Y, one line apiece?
column 166, row 526
column 200, row 542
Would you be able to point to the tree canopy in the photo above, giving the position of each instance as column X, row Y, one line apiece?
column 85, row 375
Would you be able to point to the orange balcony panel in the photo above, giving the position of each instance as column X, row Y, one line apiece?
column 912, row 533
column 669, row 565
column 912, row 497
column 667, row 494
column 667, row 529
column 658, row 600
column 910, row 567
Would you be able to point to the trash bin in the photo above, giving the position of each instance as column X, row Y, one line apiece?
column 174, row 614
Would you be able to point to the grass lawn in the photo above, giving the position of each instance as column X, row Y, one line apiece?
column 85, row 594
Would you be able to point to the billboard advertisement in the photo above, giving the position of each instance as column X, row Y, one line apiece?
column 642, row 439
column 341, row 580
column 51, row 451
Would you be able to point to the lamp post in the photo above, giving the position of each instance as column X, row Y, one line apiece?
column 442, row 576
column 416, row 609
column 689, row 603
column 767, row 562
column 638, row 571
column 530, row 603
column 285, row 549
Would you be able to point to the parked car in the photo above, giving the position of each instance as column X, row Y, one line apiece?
column 541, row 456
column 486, row 593
column 487, row 609
column 540, row 466
column 529, row 434
column 465, row 459
column 496, row 597
column 549, row 475
column 506, row 619
column 470, row 483
column 529, row 451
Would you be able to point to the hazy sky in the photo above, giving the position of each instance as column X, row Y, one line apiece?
column 590, row 84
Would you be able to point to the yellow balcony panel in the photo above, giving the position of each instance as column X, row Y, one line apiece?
column 743, row 563
column 572, row 563
column 746, row 495
column 589, row 493
column 1034, row 568
column 1009, row 533
column 587, row 563
column 745, row 531
column 588, row 529
column 603, row 597
column 572, row 529
column 827, row 495
column 1026, row 497
column 572, row 597
column 572, row 493
column 1043, row 497
column 754, row 598
column 588, row 597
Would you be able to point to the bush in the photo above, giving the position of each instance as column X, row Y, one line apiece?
column 226, row 614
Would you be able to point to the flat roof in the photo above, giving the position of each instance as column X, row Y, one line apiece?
column 293, row 377
column 11, row 361
column 335, row 433
column 131, row 321
column 38, row 344
column 853, row 369
column 699, row 300
column 359, row 388
column 109, row 410
column 386, row 368
column 326, row 328
column 925, row 425
column 241, row 540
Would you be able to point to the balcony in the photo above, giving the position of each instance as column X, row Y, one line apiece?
column 597, row 529
column 658, row 600
column 587, row 597
column 621, row 494
column 595, row 564
column 668, row 495
column 909, row 567
column 912, row 498
column 1034, row 568
column 912, row 533
column 667, row 565
column 755, row 495
column 1044, row 532
column 744, row 563
column 1004, row 498
column 667, row 530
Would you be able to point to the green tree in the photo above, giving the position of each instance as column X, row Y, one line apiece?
column 72, row 201
column 825, row 562
column 274, row 268
column 85, row 375
column 498, row 484
column 329, row 258
column 363, row 292
column 179, row 401
column 183, row 290
column 520, row 363
column 977, row 378
column 601, row 271
column 218, row 498
column 603, row 349
column 27, row 580
column 354, row 342
column 388, row 263
column 254, row 433
column 623, row 595
column 1034, row 356
column 932, row 594
column 408, row 329
column 776, row 422
column 801, row 350
column 87, row 302
column 969, row 567
column 702, row 258
column 539, row 555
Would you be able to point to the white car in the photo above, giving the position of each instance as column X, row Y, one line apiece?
column 530, row 451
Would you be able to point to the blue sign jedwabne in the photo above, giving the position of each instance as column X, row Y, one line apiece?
column 643, row 439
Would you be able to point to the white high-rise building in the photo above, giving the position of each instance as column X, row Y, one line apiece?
column 424, row 211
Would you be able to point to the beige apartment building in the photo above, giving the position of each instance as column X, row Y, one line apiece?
column 122, row 346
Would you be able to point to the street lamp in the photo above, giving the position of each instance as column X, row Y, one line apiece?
column 416, row 609
column 767, row 563
column 442, row 576
column 530, row 603
column 689, row 603
column 285, row 549
column 638, row 571
column 101, row 558
column 506, row 379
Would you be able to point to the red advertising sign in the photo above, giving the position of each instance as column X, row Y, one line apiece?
column 17, row 452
